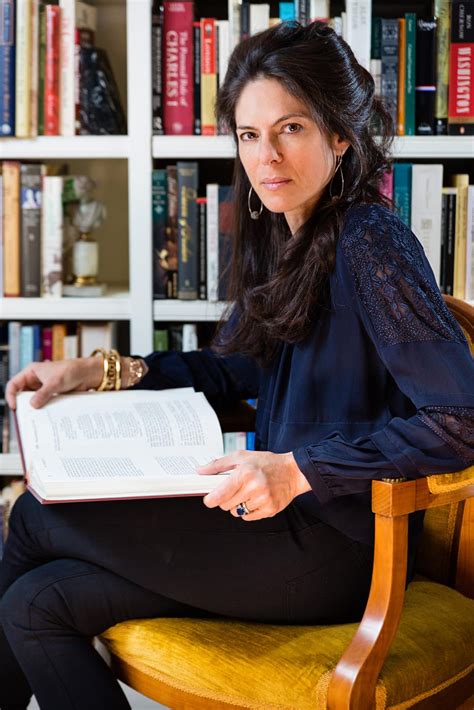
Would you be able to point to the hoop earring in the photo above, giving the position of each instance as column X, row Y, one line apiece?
column 338, row 166
column 253, row 213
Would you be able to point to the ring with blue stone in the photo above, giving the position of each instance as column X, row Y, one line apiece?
column 242, row 509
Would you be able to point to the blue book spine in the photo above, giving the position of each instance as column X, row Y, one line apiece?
column 390, row 66
column 27, row 352
column 37, row 350
column 287, row 11
column 250, row 441
column 402, row 191
column 7, row 68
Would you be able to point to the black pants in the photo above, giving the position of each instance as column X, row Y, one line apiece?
column 70, row 571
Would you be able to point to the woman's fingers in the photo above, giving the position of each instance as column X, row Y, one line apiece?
column 26, row 379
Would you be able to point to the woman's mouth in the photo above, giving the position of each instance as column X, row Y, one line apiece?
column 275, row 184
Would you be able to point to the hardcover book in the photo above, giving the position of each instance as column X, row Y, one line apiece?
column 461, row 69
column 178, row 115
column 91, row 446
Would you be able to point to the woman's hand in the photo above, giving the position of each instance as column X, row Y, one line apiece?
column 264, row 481
column 53, row 377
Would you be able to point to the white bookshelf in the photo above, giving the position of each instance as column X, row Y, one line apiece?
column 61, row 147
column 113, row 306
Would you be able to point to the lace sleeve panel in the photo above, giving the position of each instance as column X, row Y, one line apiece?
column 393, row 279
column 455, row 425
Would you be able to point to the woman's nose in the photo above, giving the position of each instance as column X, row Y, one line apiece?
column 269, row 152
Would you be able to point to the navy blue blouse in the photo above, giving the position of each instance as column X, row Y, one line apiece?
column 382, row 387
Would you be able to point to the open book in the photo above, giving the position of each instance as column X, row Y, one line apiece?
column 110, row 445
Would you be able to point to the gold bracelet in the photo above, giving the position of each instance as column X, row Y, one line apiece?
column 136, row 371
column 112, row 377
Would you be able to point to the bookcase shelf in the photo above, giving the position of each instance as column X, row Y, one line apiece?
column 176, row 310
column 175, row 147
column 10, row 465
column 113, row 306
column 52, row 147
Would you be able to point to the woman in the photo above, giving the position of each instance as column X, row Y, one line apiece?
column 360, row 372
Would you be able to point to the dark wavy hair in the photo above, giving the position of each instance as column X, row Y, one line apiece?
column 276, row 280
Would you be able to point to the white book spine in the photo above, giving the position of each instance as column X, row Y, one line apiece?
column 376, row 71
column 259, row 17
column 71, row 349
column 51, row 236
column 67, row 68
column 336, row 24
column 190, row 341
column 470, row 245
column 426, row 207
column 229, row 442
column 358, row 29
column 240, row 440
column 212, row 209
column 96, row 335
column 224, row 49
column 22, row 69
column 34, row 68
column 233, row 14
column 319, row 9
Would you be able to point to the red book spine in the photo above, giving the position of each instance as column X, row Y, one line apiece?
column 208, row 76
column 47, row 344
column 51, row 74
column 178, row 79
column 461, row 69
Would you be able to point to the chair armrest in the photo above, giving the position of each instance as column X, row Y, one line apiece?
column 354, row 679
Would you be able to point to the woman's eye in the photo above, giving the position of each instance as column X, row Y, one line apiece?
column 244, row 136
column 293, row 127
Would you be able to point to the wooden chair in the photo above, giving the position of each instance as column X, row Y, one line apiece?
column 413, row 648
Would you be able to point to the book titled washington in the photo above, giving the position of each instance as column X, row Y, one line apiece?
column 92, row 446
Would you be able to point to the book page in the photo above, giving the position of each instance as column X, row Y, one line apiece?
column 119, row 423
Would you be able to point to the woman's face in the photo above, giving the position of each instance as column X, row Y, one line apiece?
column 287, row 159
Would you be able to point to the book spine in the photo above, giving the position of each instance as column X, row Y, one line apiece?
column 212, row 195
column 52, row 237
column 470, row 245
column 23, row 76
column 71, row 347
column 157, row 66
column 187, row 230
column 402, row 176
column 172, row 230
column 461, row 74
column 67, row 124
column 461, row 181
column 47, row 343
column 425, row 89
column 197, row 78
column 7, row 68
column 301, row 11
column 386, row 185
column 51, row 76
column 27, row 347
column 190, row 339
column 37, row 354
column 450, row 240
column 208, row 76
column 359, row 17
column 375, row 59
column 224, row 49
column 84, row 36
column 233, row 15
column 34, row 60
column 245, row 20
column 178, row 114
column 11, row 226
column 160, row 340
column 410, row 73
column 58, row 335
column 441, row 11
column 286, row 11
column 319, row 10
column 30, row 202
column 401, row 77
column 202, row 207
column 226, row 209
column 160, row 251
column 427, row 183
column 41, row 66
column 390, row 66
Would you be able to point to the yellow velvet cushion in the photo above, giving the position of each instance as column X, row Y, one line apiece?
column 288, row 667
column 445, row 482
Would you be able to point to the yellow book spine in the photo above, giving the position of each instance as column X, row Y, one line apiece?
column 58, row 335
column 401, row 77
column 208, row 100
column 442, row 57
column 11, row 228
column 23, row 69
column 461, row 181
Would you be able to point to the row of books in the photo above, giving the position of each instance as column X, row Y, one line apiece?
column 422, row 67
column 441, row 217
column 46, row 50
column 191, row 235
column 37, row 230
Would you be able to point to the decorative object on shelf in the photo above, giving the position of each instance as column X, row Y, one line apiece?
column 101, row 111
column 88, row 217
